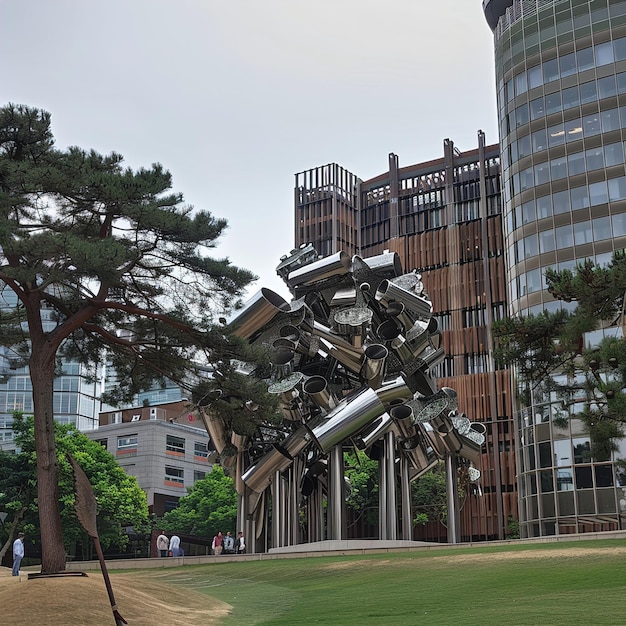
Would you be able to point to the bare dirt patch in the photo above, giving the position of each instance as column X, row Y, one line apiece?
column 441, row 558
column 66, row 601
column 565, row 553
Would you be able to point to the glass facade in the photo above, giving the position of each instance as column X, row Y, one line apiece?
column 75, row 390
column 561, row 89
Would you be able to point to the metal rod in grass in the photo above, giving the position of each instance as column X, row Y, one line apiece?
column 86, row 510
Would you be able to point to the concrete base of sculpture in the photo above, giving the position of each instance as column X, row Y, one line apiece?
column 352, row 545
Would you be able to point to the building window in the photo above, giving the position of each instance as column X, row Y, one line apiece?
column 198, row 475
column 175, row 445
column 174, row 476
column 102, row 442
column 201, row 449
column 127, row 445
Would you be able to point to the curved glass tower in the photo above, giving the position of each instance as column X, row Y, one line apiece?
column 561, row 88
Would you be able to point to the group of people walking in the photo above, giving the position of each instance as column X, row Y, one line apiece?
column 170, row 546
column 227, row 545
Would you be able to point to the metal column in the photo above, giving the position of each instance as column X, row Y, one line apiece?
column 452, row 499
column 337, row 524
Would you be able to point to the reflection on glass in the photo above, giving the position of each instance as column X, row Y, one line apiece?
column 564, row 480
column 582, row 450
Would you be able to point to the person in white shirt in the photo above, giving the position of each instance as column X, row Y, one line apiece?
column 162, row 544
column 175, row 545
column 229, row 544
column 18, row 553
column 240, row 544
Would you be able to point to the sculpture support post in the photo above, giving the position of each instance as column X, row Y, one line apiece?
column 452, row 498
column 316, row 515
column 277, row 511
column 405, row 499
column 382, row 498
column 293, row 502
column 242, row 515
column 390, row 489
column 337, row 527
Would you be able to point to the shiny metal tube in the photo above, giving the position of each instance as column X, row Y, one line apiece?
column 339, row 343
column 390, row 292
column 406, row 516
column 418, row 337
column 337, row 264
column 393, row 392
column 283, row 343
column 278, row 510
column 386, row 264
column 240, row 487
column 216, row 429
column 336, row 516
column 299, row 340
column 452, row 500
column 296, row 442
column 402, row 415
column 399, row 313
column 282, row 363
column 258, row 476
column 391, row 504
column 349, row 417
column 278, row 459
column 339, row 354
column 451, row 437
column 388, row 330
column 257, row 312
column 381, row 426
column 402, row 350
column 239, row 441
column 422, row 382
column 432, row 438
column 344, row 297
column 292, row 411
column 433, row 357
column 375, row 358
column 317, row 389
column 419, row 459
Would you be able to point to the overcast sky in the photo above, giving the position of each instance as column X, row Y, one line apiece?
column 236, row 96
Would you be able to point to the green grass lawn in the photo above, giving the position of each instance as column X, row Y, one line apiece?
column 571, row 583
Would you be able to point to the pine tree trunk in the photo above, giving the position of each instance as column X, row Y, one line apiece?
column 52, row 551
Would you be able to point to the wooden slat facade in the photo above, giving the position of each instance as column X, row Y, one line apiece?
column 451, row 234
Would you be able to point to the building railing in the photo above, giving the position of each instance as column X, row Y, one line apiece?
column 521, row 9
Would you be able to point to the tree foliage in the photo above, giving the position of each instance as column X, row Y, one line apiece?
column 210, row 506
column 362, row 472
column 99, row 256
column 121, row 502
column 428, row 494
column 18, row 491
column 553, row 358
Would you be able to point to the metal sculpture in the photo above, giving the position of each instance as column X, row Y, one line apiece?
column 352, row 365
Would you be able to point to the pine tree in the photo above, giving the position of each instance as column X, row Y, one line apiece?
column 99, row 257
column 549, row 348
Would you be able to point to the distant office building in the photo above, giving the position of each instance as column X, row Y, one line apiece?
column 443, row 218
column 76, row 393
column 163, row 446
column 561, row 89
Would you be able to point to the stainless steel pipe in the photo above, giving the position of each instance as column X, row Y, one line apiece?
column 337, row 264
